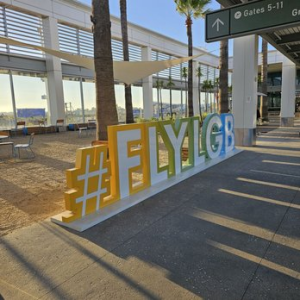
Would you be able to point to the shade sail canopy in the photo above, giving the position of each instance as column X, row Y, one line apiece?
column 124, row 71
column 131, row 71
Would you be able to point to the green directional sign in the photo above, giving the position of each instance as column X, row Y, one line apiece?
column 218, row 23
column 252, row 17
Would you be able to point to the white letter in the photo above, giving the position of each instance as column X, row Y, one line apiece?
column 125, row 161
column 156, row 176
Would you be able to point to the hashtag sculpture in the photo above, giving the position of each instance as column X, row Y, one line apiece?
column 88, row 182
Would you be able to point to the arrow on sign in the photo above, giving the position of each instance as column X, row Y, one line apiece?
column 218, row 22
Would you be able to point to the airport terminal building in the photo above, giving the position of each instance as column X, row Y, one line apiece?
column 32, row 82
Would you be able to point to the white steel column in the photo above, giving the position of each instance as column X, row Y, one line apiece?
column 56, row 105
column 288, row 93
column 195, row 89
column 244, row 87
column 147, row 87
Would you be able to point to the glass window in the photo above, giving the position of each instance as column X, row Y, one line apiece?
column 137, row 96
column 120, row 101
column 6, row 107
column 31, row 102
column 72, row 96
column 165, row 93
column 155, row 103
column 298, row 77
column 274, row 78
column 89, row 95
column 176, row 103
column 137, row 101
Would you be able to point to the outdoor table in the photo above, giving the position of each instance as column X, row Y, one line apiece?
column 2, row 143
column 2, row 137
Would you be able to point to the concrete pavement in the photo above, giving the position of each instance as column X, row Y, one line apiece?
column 230, row 232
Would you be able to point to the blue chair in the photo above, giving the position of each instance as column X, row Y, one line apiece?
column 20, row 126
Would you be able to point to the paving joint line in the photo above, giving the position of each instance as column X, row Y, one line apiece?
column 136, row 234
column 269, row 245
column 120, row 245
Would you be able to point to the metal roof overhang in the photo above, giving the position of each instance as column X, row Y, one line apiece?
column 286, row 40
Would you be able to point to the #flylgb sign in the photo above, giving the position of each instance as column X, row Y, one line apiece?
column 104, row 175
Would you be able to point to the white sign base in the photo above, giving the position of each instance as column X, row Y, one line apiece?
column 125, row 203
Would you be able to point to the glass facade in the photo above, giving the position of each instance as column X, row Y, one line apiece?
column 89, row 99
column 31, row 103
column 18, row 96
column 17, row 91
column 73, row 101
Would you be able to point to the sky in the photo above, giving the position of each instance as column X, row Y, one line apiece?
column 161, row 16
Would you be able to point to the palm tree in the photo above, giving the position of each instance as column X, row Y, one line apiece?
column 106, row 112
column 229, row 94
column 205, row 87
column 191, row 9
column 264, row 83
column 199, row 74
column 184, row 74
column 169, row 85
column 128, row 97
column 159, row 85
column 210, row 88
column 217, row 84
column 224, row 105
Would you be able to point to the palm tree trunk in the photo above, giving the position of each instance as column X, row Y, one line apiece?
column 106, row 111
column 181, row 101
column 161, row 104
column 190, row 68
column 128, row 97
column 264, row 85
column 199, row 98
column 158, row 101
column 205, row 92
column 186, row 98
column 206, row 99
column 217, row 97
column 223, row 81
column 171, row 110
